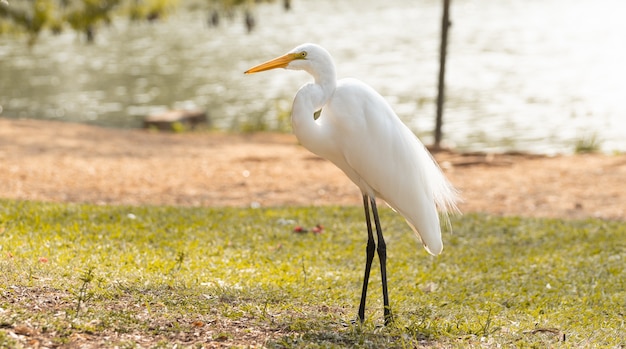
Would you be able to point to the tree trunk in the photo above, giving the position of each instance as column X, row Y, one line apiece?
column 445, row 24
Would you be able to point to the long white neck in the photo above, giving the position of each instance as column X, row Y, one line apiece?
column 311, row 99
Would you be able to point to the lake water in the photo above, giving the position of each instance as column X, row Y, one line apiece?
column 528, row 75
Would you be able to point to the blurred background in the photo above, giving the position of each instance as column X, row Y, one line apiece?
column 541, row 76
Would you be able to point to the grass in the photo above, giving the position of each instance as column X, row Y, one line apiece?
column 160, row 277
column 587, row 145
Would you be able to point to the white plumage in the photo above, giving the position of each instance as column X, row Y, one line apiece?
column 350, row 124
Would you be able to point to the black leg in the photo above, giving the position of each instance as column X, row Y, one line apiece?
column 371, row 246
column 382, row 256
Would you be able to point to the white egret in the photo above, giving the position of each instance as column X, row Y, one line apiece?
column 350, row 124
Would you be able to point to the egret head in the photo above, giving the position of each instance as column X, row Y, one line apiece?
column 308, row 57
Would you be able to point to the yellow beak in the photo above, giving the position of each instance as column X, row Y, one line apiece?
column 279, row 62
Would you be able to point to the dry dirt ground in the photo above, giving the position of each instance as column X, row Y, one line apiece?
column 61, row 162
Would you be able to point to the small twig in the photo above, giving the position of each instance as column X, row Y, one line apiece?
column 180, row 258
column 303, row 269
column 554, row 331
column 87, row 277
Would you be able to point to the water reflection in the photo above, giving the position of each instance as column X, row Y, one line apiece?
column 525, row 75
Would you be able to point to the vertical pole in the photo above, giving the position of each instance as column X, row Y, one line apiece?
column 445, row 24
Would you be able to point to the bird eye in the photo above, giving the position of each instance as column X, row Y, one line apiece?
column 303, row 54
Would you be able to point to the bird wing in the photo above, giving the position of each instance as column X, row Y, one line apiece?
column 385, row 159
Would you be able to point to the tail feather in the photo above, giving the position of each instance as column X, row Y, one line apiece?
column 443, row 195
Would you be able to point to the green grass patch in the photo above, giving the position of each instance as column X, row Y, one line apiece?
column 193, row 277
column 587, row 144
